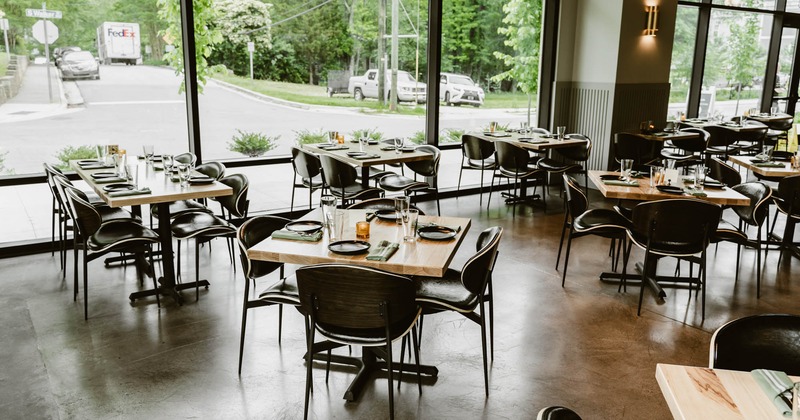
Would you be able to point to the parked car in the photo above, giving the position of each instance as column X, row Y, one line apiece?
column 457, row 89
column 408, row 88
column 79, row 65
column 58, row 54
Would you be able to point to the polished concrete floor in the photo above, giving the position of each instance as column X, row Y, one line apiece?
column 580, row 346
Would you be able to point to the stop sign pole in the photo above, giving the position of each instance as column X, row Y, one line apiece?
column 44, row 14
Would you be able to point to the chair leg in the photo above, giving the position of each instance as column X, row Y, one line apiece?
column 703, row 285
column 155, row 277
column 309, row 358
column 566, row 257
column 483, row 346
column 197, row 269
column 294, row 187
column 244, row 321
column 758, row 264
column 416, row 357
column 389, row 371
column 402, row 358
column 74, row 270
column 178, row 263
column 491, row 318
column 85, row 286
column 561, row 242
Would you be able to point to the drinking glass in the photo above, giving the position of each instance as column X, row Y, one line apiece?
column 148, row 150
column 167, row 159
column 523, row 127
column 328, row 204
column 332, row 136
column 766, row 152
column 773, row 110
column 410, row 225
column 796, row 401
column 101, row 153
column 625, row 167
column 401, row 205
column 492, row 126
column 699, row 176
column 362, row 143
column 132, row 174
column 398, row 145
column 336, row 228
column 184, row 171
column 561, row 130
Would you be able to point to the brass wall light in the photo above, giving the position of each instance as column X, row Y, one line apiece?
column 652, row 20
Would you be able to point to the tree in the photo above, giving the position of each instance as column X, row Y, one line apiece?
column 205, row 36
column 145, row 13
column 240, row 22
column 459, row 21
column 745, row 52
column 523, row 32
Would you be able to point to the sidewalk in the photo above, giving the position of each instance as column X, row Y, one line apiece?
column 32, row 101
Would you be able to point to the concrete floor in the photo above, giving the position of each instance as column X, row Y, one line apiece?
column 581, row 346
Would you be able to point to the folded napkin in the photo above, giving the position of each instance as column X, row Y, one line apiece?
column 694, row 192
column 109, row 180
column 325, row 146
column 455, row 228
column 769, row 165
column 383, row 251
column 621, row 182
column 144, row 190
column 364, row 157
column 534, row 141
column 297, row 236
column 388, row 148
column 96, row 166
column 776, row 385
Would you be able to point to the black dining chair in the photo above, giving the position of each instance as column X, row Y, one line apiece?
column 281, row 292
column 358, row 306
column 721, row 141
column 308, row 167
column 688, row 151
column 342, row 181
column 573, row 159
column 513, row 163
column 764, row 341
column 787, row 201
column 476, row 154
column 463, row 291
column 642, row 151
column 556, row 412
column 428, row 168
column 663, row 229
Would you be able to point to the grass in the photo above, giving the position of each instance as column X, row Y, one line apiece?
column 318, row 95
column 3, row 64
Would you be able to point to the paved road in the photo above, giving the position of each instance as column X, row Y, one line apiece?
column 135, row 105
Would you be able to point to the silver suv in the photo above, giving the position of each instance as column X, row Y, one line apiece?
column 459, row 89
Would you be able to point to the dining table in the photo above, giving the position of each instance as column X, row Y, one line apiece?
column 663, row 136
column 772, row 169
column 163, row 188
column 693, row 392
column 423, row 257
column 729, row 125
column 530, row 141
column 371, row 154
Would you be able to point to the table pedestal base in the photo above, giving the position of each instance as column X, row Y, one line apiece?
column 173, row 292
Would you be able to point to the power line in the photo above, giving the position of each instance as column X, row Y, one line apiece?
column 288, row 19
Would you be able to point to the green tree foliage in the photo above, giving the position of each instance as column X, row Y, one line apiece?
column 523, row 33
column 205, row 36
column 459, row 21
column 145, row 13
column 240, row 22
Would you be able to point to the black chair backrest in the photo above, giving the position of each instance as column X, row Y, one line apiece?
column 720, row 136
column 236, row 203
column 252, row 232
column 380, row 204
column 681, row 225
column 765, row 341
column 760, row 197
column 789, row 194
column 186, row 158
column 783, row 124
column 427, row 167
column 641, row 150
column 512, row 158
column 476, row 270
column 723, row 172
column 356, row 299
column 305, row 164
column 537, row 130
column 212, row 169
column 694, row 144
column 577, row 203
column 476, row 148
column 85, row 216
column 579, row 152
column 756, row 131
column 337, row 174
column 556, row 412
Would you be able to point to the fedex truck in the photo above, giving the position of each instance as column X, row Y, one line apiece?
column 119, row 43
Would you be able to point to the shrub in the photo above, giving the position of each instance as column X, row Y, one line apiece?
column 370, row 133
column 451, row 135
column 309, row 137
column 75, row 153
column 3, row 169
column 417, row 138
column 252, row 144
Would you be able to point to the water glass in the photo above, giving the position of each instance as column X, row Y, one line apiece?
column 562, row 131
column 493, row 126
column 625, row 167
column 398, row 145
column 132, row 174
column 362, row 143
column 336, row 227
column 328, row 204
column 401, row 205
column 699, row 176
column 656, row 173
column 184, row 171
column 167, row 161
column 101, row 153
column 766, row 152
column 332, row 137
column 773, row 110
column 410, row 225
column 523, row 127
column 148, row 150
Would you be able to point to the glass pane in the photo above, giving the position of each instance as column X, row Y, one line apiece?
column 755, row 4
column 736, row 59
column 785, row 61
column 483, row 79
column 312, row 73
column 102, row 84
column 682, row 58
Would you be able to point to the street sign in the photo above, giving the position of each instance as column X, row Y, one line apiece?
column 43, row 14
column 4, row 24
column 39, row 31
column 251, row 46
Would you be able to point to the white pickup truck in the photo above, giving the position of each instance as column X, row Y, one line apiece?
column 408, row 88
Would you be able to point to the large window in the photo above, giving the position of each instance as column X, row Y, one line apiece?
column 682, row 59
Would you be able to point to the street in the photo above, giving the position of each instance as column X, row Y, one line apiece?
column 136, row 105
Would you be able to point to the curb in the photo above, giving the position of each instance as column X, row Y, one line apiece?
column 260, row 96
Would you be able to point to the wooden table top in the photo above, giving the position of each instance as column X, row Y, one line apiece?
column 767, row 118
column 665, row 136
column 747, row 162
column 730, row 125
column 162, row 189
column 514, row 137
column 702, row 393
column 384, row 156
column 643, row 192
column 423, row 257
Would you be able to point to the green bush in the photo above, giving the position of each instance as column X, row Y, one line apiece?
column 451, row 135
column 252, row 144
column 75, row 153
column 370, row 133
column 417, row 138
column 3, row 169
column 309, row 137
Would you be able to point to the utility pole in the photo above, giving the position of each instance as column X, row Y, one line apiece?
column 381, row 51
column 395, row 48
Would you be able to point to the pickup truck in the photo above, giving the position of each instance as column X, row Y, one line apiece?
column 366, row 86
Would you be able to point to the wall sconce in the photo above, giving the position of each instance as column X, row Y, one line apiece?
column 652, row 20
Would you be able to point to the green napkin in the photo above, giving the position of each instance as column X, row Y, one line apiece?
column 769, row 165
column 297, row 236
column 775, row 384
column 620, row 182
column 364, row 157
column 144, row 190
column 383, row 251
column 109, row 180
column 695, row 193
